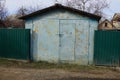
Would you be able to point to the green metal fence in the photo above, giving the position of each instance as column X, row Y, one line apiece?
column 107, row 48
column 15, row 43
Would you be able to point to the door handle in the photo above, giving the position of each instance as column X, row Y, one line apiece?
column 60, row 35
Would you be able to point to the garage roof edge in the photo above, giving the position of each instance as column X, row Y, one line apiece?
column 63, row 7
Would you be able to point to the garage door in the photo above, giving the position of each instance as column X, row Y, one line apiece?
column 48, row 47
column 67, row 40
column 64, row 40
column 74, row 36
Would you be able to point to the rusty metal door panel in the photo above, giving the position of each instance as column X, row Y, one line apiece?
column 82, row 37
column 67, row 40
column 48, row 45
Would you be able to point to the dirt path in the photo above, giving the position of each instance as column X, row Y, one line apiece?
column 55, row 74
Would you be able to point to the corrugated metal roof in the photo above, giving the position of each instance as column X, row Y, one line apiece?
column 59, row 6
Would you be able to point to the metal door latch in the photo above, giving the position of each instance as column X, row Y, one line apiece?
column 60, row 35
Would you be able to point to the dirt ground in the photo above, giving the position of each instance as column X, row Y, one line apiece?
column 55, row 74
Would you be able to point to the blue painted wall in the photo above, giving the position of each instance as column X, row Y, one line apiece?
column 62, row 36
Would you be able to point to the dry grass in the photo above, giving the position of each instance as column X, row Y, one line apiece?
column 17, row 70
column 46, row 65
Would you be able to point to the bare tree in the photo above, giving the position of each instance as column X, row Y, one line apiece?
column 27, row 10
column 92, row 6
column 22, row 11
column 99, row 6
column 14, row 22
column 3, row 10
column 79, row 4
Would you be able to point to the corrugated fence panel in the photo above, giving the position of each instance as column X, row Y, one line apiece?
column 15, row 43
column 107, row 48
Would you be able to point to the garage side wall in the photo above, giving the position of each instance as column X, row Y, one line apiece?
column 35, row 25
column 93, row 27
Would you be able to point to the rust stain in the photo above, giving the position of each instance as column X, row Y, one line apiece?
column 45, row 26
column 76, row 30
column 51, row 22
column 62, row 16
column 77, row 36
column 42, row 48
column 36, row 29
column 66, row 32
column 48, row 32
column 67, row 17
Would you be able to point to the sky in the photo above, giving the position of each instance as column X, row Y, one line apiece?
column 113, row 8
column 13, row 5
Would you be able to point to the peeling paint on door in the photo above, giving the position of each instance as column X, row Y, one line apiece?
column 48, row 40
column 67, row 40
column 81, row 47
